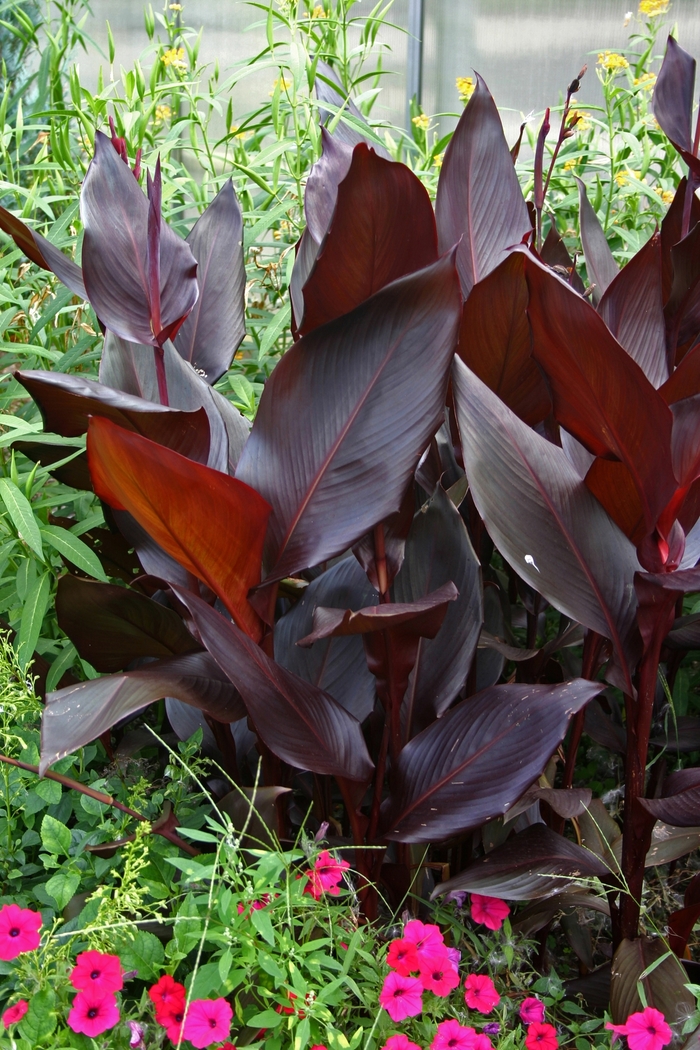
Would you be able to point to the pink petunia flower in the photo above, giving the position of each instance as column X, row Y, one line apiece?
column 400, row 1042
column 166, row 994
column 19, row 931
column 208, row 1021
column 93, row 1014
column 491, row 911
column 480, row 993
column 532, row 1010
column 427, row 938
column 403, row 957
column 438, row 975
column 319, row 1046
column 227, row 1046
column 101, row 974
column 401, row 996
column 451, row 1035
column 541, row 1037
column 326, row 875
column 482, row 1042
column 136, row 1036
column 645, row 1030
column 15, row 1013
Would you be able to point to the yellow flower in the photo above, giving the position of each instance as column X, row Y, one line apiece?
column 623, row 177
column 233, row 130
column 422, row 121
column 175, row 57
column 465, row 86
column 646, row 81
column 570, row 165
column 581, row 124
column 318, row 12
column 163, row 113
column 437, row 160
column 282, row 83
column 653, row 8
column 175, row 7
column 666, row 195
column 611, row 61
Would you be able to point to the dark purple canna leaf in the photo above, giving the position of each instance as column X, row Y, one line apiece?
column 684, row 381
column 213, row 330
column 75, row 473
column 352, row 127
column 347, row 413
column 535, row 863
column 321, row 192
column 115, row 255
column 438, row 550
column 395, row 530
column 473, row 763
column 381, row 229
column 336, row 665
column 600, row 264
column 44, row 253
column 300, row 723
column 683, row 307
column 495, row 341
column 80, row 713
column 679, row 804
column 544, row 520
column 686, row 440
column 424, row 617
column 685, row 634
column 555, row 254
column 633, row 310
column 673, row 100
column 672, row 231
column 600, row 394
column 67, row 402
column 645, row 962
column 479, row 203
column 111, row 626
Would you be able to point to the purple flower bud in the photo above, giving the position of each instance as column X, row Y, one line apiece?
column 321, row 833
column 136, row 1038
column 492, row 1028
column 454, row 955
column 458, row 896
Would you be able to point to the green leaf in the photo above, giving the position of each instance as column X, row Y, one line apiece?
column 49, row 790
column 275, row 328
column 263, row 924
column 225, row 963
column 144, row 952
column 206, row 982
column 62, row 887
column 40, row 1020
column 20, row 510
column 55, row 836
column 72, row 548
column 62, row 663
column 267, row 1019
column 35, row 605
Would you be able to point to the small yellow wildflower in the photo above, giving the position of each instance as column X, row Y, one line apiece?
column 582, row 124
column 318, row 12
column 666, row 195
column 175, row 57
column 653, row 8
column 175, row 7
column 465, row 86
column 570, row 165
column 611, row 61
column 437, row 160
column 646, row 81
column 623, row 177
column 282, row 83
column 233, row 130
column 163, row 113
column 422, row 121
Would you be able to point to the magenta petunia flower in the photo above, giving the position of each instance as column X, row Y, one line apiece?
column 438, row 975
column 166, row 994
column 101, row 974
column 482, row 1042
column 401, row 996
column 400, row 1042
column 19, row 931
column 480, row 993
column 451, row 1035
column 172, row 1019
column 208, row 1021
column 427, row 938
column 645, row 1030
column 326, row 875
column 532, row 1010
column 93, row 1014
column 403, row 957
column 541, row 1037
column 15, row 1013
column 491, row 911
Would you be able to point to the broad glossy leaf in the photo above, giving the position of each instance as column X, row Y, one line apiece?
column 438, row 550
column 130, row 367
column 613, row 485
column 682, row 311
column 673, row 100
column 680, row 927
column 685, row 633
column 686, row 440
column 680, row 801
column 567, row 802
column 600, row 394
column 672, row 229
column 74, row 473
column 535, row 863
column 669, row 843
column 336, row 665
column 43, row 253
column 213, row 330
column 381, row 229
column 680, row 735
column 395, row 530
column 495, row 341
column 424, row 616
column 540, row 914
column 473, row 763
column 346, row 414
column 664, row 987
column 600, row 264
column 67, row 402
column 300, row 723
column 114, row 212
column 321, row 191
column 684, row 381
column 633, row 310
column 211, row 524
column 111, row 626
column 479, row 204
column 79, row 714
column 544, row 520
column 555, row 254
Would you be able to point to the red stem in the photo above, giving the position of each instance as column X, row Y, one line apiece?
column 159, row 355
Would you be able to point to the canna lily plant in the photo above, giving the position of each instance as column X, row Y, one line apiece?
column 324, row 588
